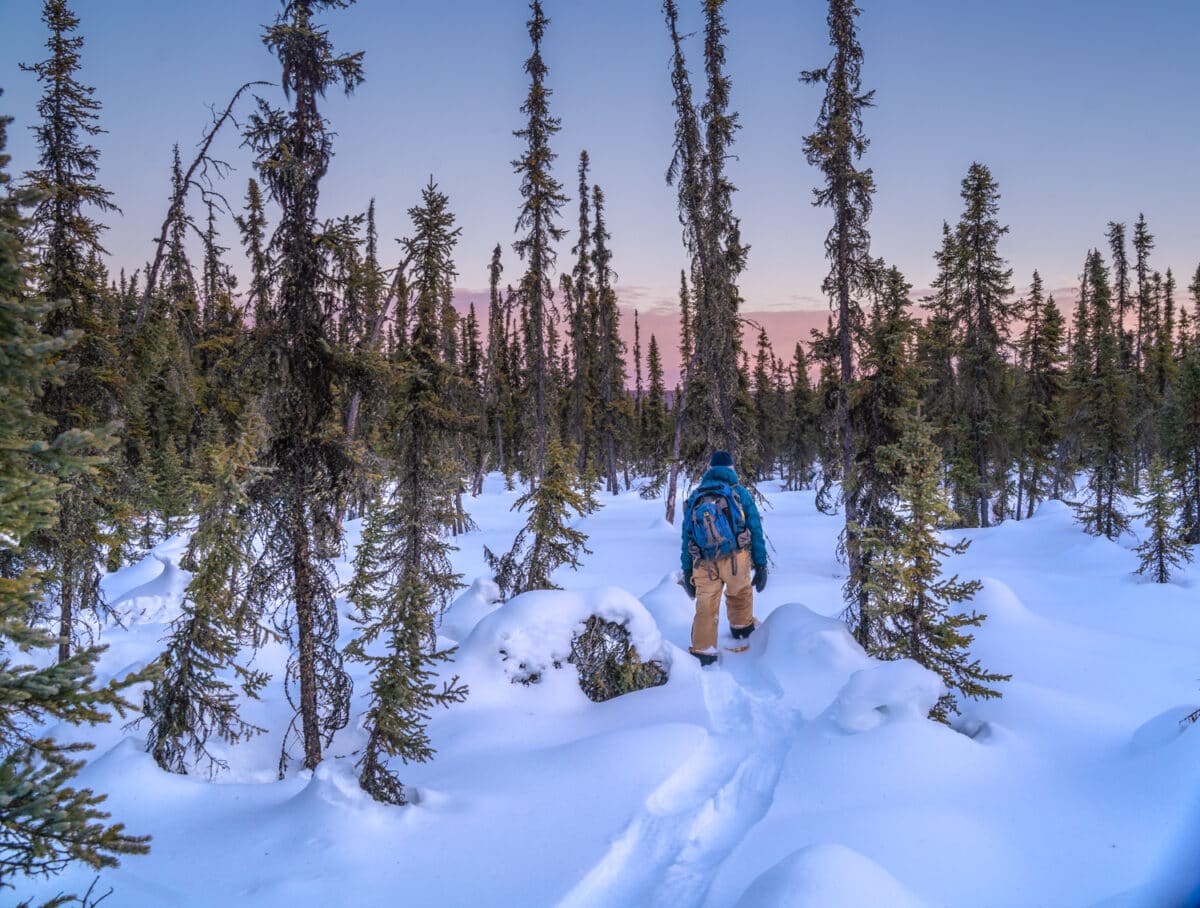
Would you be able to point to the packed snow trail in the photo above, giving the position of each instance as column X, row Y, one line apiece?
column 671, row 850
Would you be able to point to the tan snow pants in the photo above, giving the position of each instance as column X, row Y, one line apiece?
column 732, row 575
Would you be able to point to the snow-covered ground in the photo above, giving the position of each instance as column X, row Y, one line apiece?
column 799, row 773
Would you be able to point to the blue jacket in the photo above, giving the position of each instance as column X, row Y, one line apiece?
column 758, row 544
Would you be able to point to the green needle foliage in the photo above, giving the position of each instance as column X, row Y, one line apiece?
column 547, row 541
column 916, row 608
column 1165, row 548
column 403, row 579
column 45, row 823
column 296, row 521
column 67, row 272
column 191, row 702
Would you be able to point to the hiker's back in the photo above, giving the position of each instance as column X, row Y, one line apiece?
column 716, row 521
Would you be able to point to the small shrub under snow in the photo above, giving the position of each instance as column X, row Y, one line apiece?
column 608, row 635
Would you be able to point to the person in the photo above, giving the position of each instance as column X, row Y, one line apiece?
column 722, row 545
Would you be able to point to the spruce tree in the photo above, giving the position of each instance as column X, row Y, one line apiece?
column 881, row 405
column 719, row 299
column 686, row 172
column 542, row 199
column 825, row 354
column 1120, row 260
column 802, row 430
column 67, row 238
column 495, row 402
column 983, row 312
column 1182, row 434
column 253, row 228
column 547, row 541
column 1165, row 547
column 608, row 353
column 766, row 419
column 919, row 610
column 1143, row 245
column 297, row 498
column 707, row 410
column 1165, row 369
column 1040, row 401
column 160, row 399
column 1107, row 440
column 45, row 823
column 190, row 701
column 580, row 298
column 403, row 577
column 937, row 351
column 656, row 448
column 639, row 394
column 835, row 147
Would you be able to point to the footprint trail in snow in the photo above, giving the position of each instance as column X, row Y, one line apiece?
column 673, row 848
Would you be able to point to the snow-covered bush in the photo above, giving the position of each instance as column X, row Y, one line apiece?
column 609, row 664
column 607, row 635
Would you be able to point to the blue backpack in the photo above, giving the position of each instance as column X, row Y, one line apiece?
column 716, row 523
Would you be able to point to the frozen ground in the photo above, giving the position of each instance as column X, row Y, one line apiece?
column 800, row 773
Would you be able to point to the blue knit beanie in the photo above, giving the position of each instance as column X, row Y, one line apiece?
column 721, row 459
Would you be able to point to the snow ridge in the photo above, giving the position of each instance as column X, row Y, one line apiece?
column 671, row 851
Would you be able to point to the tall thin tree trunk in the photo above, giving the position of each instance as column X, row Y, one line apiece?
column 845, row 426
column 500, row 463
column 676, row 452
column 66, row 605
column 306, row 632
column 981, row 503
column 1034, row 479
column 1020, row 487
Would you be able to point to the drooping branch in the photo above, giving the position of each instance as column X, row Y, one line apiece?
column 201, row 162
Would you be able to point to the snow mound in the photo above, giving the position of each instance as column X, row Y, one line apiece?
column 530, row 636
column 470, row 608
column 810, row 655
column 334, row 783
column 827, row 876
column 151, row 601
column 1163, row 728
column 672, row 609
column 886, row 690
column 997, row 600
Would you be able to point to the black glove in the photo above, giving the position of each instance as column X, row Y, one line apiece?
column 685, row 581
column 760, row 577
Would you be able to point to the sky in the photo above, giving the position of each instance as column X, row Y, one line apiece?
column 1085, row 110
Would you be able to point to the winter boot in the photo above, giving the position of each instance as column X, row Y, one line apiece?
column 706, row 659
column 741, row 633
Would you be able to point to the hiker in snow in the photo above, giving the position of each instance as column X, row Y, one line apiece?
column 722, row 543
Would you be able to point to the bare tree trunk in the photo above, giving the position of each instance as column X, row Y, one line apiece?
column 610, row 457
column 202, row 159
column 1194, row 531
column 981, row 466
column 305, row 624
column 500, row 463
column 673, row 476
column 66, row 606
column 677, row 444
column 1020, row 487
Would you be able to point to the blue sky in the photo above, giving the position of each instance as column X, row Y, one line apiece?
column 1084, row 109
